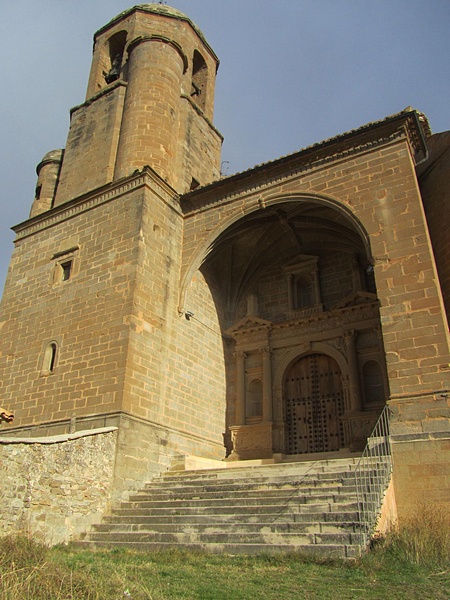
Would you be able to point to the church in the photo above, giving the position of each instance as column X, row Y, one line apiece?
column 163, row 313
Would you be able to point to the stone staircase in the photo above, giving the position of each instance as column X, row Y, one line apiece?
column 299, row 506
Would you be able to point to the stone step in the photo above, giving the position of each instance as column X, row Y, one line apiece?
column 266, row 473
column 178, row 495
column 232, row 518
column 309, row 506
column 327, row 550
column 189, row 508
column 296, row 479
column 230, row 528
column 263, row 537
column 282, row 498
column 233, row 487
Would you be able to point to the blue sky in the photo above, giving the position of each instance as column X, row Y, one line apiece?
column 292, row 73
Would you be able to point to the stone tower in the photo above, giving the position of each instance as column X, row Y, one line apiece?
column 149, row 102
column 92, row 292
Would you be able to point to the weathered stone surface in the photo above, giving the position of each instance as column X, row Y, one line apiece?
column 56, row 489
column 306, row 507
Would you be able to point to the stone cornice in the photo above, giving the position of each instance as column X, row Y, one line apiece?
column 119, row 83
column 329, row 319
column 263, row 176
column 145, row 178
column 248, row 325
column 334, row 317
column 199, row 111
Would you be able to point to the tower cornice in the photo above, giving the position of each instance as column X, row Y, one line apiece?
column 147, row 177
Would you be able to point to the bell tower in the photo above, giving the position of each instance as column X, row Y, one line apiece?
column 89, row 317
column 149, row 102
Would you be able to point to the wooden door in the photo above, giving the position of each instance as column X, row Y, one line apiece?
column 314, row 403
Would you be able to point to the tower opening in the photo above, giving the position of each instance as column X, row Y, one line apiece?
column 116, row 50
column 199, row 79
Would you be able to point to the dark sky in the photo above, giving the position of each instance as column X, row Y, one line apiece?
column 292, row 73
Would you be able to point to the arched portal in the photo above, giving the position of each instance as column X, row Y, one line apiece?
column 287, row 281
column 314, row 404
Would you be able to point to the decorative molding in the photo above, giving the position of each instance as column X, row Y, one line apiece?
column 248, row 325
column 103, row 92
column 253, row 180
column 332, row 319
column 147, row 177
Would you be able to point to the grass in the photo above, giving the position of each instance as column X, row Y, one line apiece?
column 412, row 564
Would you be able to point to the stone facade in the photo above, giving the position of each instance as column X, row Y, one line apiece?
column 56, row 486
column 268, row 314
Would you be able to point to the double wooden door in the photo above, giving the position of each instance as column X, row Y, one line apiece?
column 314, row 404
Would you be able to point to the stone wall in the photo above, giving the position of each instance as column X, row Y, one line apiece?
column 335, row 283
column 420, row 435
column 421, row 472
column 54, row 488
column 84, row 316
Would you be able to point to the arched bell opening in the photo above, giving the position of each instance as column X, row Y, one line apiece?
column 199, row 79
column 116, row 49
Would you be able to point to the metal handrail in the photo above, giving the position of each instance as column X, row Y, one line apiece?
column 372, row 475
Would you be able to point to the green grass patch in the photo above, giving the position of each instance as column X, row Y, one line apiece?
column 31, row 571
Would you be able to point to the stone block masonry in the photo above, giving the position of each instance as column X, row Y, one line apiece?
column 55, row 487
column 148, row 294
column 421, row 471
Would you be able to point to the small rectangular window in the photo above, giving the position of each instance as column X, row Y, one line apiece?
column 65, row 265
column 304, row 285
column 66, row 270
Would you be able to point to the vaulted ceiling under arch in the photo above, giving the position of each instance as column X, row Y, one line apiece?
column 276, row 237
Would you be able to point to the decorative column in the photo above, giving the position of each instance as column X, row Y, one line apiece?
column 357, row 424
column 353, row 375
column 240, row 387
column 316, row 286
column 267, row 384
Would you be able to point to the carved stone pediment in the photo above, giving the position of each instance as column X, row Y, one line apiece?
column 356, row 299
column 302, row 262
column 248, row 325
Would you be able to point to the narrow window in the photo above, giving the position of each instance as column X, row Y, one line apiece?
column 50, row 358
column 199, row 79
column 116, row 50
column 64, row 265
column 66, row 269
column 303, row 285
column 303, row 292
